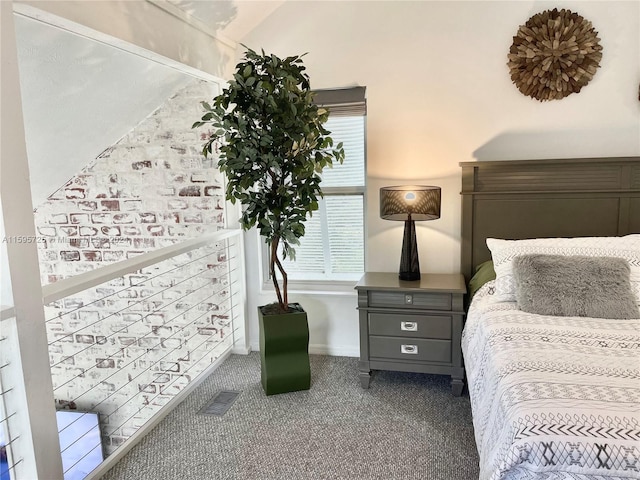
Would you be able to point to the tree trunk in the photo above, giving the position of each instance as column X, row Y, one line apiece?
column 283, row 299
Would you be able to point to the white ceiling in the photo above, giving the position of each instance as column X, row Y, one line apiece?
column 233, row 19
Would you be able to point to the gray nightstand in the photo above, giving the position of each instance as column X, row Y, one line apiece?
column 411, row 326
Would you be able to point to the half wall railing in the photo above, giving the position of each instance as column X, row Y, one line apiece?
column 127, row 342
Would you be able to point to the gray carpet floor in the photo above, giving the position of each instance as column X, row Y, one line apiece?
column 405, row 426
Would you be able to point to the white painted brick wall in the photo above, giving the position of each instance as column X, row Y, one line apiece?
column 124, row 349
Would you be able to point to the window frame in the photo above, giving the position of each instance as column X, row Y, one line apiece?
column 346, row 102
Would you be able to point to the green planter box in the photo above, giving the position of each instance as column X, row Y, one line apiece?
column 284, row 352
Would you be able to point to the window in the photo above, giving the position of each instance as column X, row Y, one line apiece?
column 333, row 245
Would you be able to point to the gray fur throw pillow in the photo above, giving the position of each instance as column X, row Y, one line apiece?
column 574, row 286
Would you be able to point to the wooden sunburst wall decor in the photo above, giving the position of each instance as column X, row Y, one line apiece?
column 554, row 54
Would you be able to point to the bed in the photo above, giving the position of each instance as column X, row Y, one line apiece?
column 554, row 395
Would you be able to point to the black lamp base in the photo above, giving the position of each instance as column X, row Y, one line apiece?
column 409, row 264
column 409, row 276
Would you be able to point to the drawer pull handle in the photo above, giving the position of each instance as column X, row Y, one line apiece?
column 410, row 349
column 409, row 326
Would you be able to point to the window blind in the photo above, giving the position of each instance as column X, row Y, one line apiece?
column 346, row 233
column 343, row 101
column 333, row 245
column 349, row 131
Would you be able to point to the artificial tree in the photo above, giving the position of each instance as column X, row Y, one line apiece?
column 272, row 147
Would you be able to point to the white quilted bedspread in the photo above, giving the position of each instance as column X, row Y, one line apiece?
column 552, row 397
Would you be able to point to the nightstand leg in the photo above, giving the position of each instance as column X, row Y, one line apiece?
column 457, row 384
column 365, row 378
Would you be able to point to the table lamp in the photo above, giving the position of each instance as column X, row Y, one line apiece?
column 410, row 203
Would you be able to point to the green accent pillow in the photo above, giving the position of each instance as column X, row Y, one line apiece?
column 484, row 273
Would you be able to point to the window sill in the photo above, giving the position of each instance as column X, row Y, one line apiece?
column 318, row 287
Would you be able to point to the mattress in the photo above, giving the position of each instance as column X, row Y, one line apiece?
column 552, row 397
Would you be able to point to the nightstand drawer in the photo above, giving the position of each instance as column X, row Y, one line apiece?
column 405, row 325
column 410, row 349
column 427, row 301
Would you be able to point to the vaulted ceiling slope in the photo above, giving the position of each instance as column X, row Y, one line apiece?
column 79, row 97
column 233, row 19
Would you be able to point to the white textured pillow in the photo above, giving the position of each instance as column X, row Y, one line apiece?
column 504, row 251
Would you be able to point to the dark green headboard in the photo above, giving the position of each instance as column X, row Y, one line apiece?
column 518, row 199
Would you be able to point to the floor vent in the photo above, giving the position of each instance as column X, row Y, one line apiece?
column 220, row 403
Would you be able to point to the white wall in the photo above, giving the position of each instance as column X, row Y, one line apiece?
column 6, row 293
column 439, row 93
